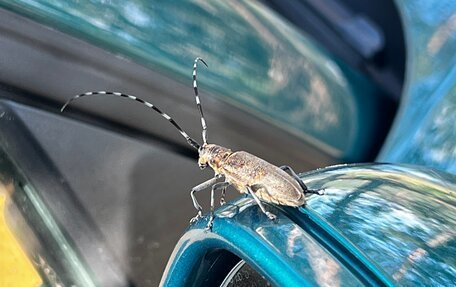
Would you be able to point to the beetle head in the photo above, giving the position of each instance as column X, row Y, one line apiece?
column 212, row 155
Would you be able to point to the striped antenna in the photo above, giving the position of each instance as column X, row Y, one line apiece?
column 190, row 141
column 198, row 102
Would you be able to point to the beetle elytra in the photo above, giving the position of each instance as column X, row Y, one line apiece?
column 247, row 173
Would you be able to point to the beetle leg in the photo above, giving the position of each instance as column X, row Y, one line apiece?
column 268, row 214
column 217, row 186
column 198, row 188
column 291, row 172
column 315, row 191
column 304, row 187
column 222, row 197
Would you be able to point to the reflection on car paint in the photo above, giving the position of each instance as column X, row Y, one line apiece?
column 389, row 224
column 424, row 132
column 304, row 253
column 402, row 218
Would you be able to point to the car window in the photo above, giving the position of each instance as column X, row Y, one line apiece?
column 242, row 275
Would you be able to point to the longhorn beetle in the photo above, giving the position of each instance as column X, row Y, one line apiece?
column 247, row 173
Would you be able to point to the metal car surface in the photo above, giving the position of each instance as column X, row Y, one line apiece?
column 377, row 225
column 423, row 132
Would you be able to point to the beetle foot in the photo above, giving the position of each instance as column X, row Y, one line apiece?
column 197, row 217
column 271, row 216
column 210, row 224
column 222, row 201
column 316, row 191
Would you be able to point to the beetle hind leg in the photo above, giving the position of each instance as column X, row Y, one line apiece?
column 304, row 187
column 315, row 191
column 258, row 201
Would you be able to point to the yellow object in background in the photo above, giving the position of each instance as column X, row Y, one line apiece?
column 16, row 269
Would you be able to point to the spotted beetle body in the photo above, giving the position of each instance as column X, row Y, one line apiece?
column 242, row 169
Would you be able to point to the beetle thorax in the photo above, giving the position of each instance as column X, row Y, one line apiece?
column 213, row 155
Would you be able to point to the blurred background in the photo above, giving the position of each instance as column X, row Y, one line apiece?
column 101, row 193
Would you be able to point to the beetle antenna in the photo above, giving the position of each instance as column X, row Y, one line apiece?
column 189, row 140
column 198, row 102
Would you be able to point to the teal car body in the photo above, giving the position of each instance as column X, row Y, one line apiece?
column 377, row 225
column 423, row 131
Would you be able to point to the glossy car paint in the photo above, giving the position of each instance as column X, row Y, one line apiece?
column 354, row 235
column 423, row 131
column 258, row 62
column 402, row 217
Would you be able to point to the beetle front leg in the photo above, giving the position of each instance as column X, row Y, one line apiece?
column 222, row 197
column 268, row 214
column 196, row 189
column 304, row 187
column 217, row 186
